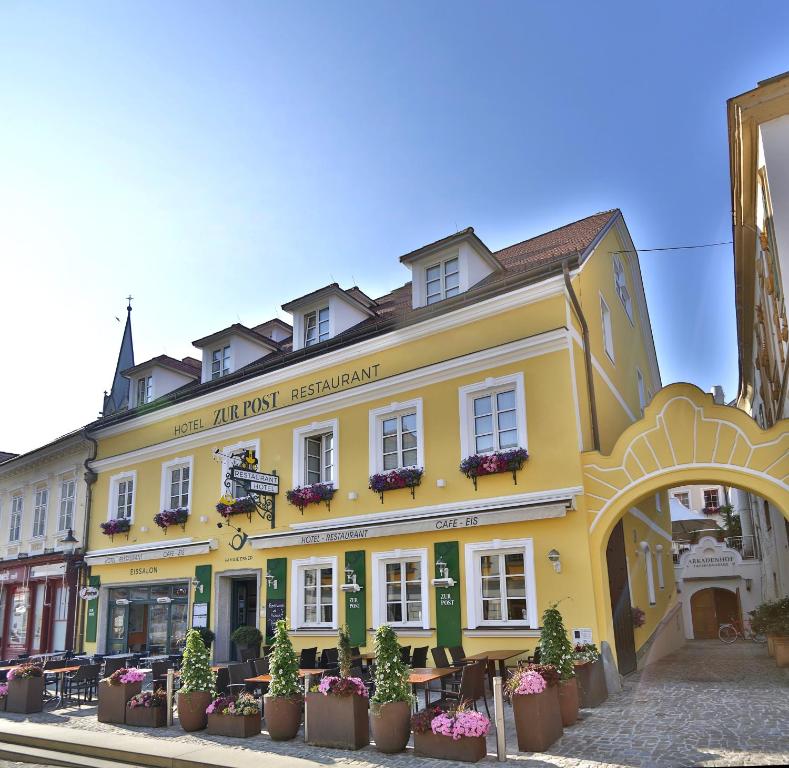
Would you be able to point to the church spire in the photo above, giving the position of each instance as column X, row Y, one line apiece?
column 118, row 398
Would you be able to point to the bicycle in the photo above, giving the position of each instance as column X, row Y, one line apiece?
column 728, row 633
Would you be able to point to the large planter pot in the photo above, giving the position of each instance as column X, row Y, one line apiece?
column 283, row 716
column 147, row 717
column 771, row 645
column 780, row 646
column 568, row 701
column 391, row 726
column 191, row 710
column 470, row 749
column 592, row 690
column 25, row 695
column 236, row 726
column 538, row 720
column 2, row 703
column 113, row 700
column 336, row 721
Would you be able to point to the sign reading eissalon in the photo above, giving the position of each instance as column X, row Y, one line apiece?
column 270, row 401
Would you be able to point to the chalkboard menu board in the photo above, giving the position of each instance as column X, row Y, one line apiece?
column 275, row 610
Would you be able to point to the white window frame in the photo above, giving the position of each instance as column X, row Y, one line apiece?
column 40, row 512
column 305, row 326
column 645, row 548
column 112, row 506
column 167, row 469
column 297, row 569
column 442, row 267
column 222, row 357
column 227, row 450
column 466, row 397
column 607, row 328
column 473, row 553
column 676, row 496
column 379, row 562
column 704, row 498
column 375, row 431
column 300, row 435
column 147, row 394
column 15, row 518
column 64, row 500
column 620, row 282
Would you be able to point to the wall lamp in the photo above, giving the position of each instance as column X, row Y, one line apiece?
column 271, row 582
column 555, row 559
column 350, row 582
column 443, row 578
column 748, row 584
column 69, row 543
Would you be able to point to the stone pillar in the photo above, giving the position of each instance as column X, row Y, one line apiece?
column 742, row 506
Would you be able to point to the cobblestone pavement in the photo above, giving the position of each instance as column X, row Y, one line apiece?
column 708, row 704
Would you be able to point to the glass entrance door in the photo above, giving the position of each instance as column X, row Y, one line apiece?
column 118, row 627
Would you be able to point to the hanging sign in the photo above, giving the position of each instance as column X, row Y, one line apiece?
column 260, row 482
column 88, row 593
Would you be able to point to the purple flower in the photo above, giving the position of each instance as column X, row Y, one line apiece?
column 310, row 494
column 403, row 477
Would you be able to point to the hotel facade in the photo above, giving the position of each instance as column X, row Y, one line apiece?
column 543, row 349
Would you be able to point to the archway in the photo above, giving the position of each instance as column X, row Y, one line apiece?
column 709, row 608
column 684, row 438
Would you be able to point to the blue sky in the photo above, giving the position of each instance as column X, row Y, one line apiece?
column 218, row 159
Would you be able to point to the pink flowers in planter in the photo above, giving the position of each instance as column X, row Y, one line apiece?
column 311, row 494
column 111, row 527
column 243, row 506
column 461, row 723
column 530, row 682
column 3, row 690
column 168, row 517
column 342, row 686
column 493, row 463
column 126, row 675
column 403, row 477
column 23, row 671
column 148, row 699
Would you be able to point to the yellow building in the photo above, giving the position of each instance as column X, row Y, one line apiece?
column 543, row 346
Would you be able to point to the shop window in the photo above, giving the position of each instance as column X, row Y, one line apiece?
column 122, row 490
column 620, row 283
column 396, row 436
column 608, row 331
column 68, row 489
column 315, row 453
column 442, row 280
column 502, row 588
column 400, row 588
column 492, row 416
column 315, row 593
column 15, row 523
column 220, row 362
column 316, row 326
column 38, row 615
column 41, row 502
column 18, row 620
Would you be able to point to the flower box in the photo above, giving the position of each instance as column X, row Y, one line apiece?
column 169, row 517
column 336, row 721
column 468, row 749
column 228, row 506
column 538, row 719
column 113, row 527
column 147, row 717
column 25, row 695
column 235, row 726
column 493, row 464
column 311, row 494
column 113, row 700
column 403, row 477
column 592, row 690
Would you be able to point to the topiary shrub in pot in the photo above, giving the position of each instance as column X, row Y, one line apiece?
column 115, row 692
column 557, row 650
column 390, row 706
column 337, row 714
column 534, row 693
column 247, row 639
column 197, row 684
column 589, row 673
column 207, row 636
column 282, row 704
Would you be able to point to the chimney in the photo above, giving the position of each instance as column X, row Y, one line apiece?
column 717, row 394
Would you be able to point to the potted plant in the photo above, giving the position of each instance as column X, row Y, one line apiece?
column 592, row 690
column 282, row 703
column 168, row 517
column 402, row 477
column 458, row 734
column 115, row 692
column 493, row 463
column 229, row 506
column 765, row 619
column 336, row 714
column 236, row 716
column 147, row 709
column 780, row 630
column 247, row 639
column 207, row 636
column 390, row 706
column 3, row 694
column 534, row 693
column 197, row 684
column 111, row 527
column 311, row 494
column 25, row 689
column 556, row 650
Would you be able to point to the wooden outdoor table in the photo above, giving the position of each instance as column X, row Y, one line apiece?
column 267, row 678
column 493, row 657
column 426, row 675
column 58, row 697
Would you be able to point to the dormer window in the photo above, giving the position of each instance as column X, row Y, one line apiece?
column 442, row 280
column 316, row 326
column 144, row 390
column 220, row 362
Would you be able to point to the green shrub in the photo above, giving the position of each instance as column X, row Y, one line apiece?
column 196, row 674
column 283, row 664
column 247, row 637
column 391, row 674
column 555, row 647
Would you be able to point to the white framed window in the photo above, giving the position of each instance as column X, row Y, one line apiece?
column 237, row 490
column 177, row 477
column 123, row 488
column 316, row 326
column 647, row 551
column 683, row 498
column 608, row 332
column 68, row 492
column 711, row 498
column 314, row 593
column 396, row 436
column 316, row 453
column 40, row 504
column 442, row 280
column 492, row 415
column 642, row 395
column 15, row 523
column 501, row 588
column 400, row 588
column 144, row 390
column 220, row 362
column 620, row 283
column 659, row 561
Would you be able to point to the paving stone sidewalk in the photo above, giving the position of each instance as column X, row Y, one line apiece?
column 707, row 704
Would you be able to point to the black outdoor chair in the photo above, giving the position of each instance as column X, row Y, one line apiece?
column 308, row 658
column 261, row 666
column 472, row 685
column 222, row 681
column 159, row 674
column 113, row 665
column 405, row 654
column 84, row 682
column 458, row 655
column 238, row 673
column 419, row 657
column 329, row 658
